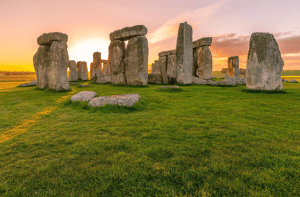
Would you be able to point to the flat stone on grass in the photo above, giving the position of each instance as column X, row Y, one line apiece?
column 293, row 81
column 122, row 100
column 84, row 96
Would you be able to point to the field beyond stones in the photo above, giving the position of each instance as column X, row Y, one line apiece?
column 202, row 141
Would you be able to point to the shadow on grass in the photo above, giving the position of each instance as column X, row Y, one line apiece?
column 265, row 91
column 52, row 90
column 169, row 89
column 128, row 85
column 139, row 106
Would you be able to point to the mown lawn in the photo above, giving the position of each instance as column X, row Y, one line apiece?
column 202, row 141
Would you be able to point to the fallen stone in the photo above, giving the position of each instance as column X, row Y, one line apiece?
column 122, row 100
column 264, row 63
column 104, row 80
column 237, row 80
column 136, row 64
column 226, row 83
column 84, row 96
column 32, row 83
column 199, row 81
column 117, row 62
column 165, row 87
column 204, row 63
column 73, row 73
column 128, row 32
column 213, row 77
column 206, row 41
column 293, row 81
column 184, row 54
column 284, row 80
column 48, row 38
column 211, row 82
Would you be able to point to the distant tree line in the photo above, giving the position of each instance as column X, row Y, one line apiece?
column 242, row 71
column 17, row 73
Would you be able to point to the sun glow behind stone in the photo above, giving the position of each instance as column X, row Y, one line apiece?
column 83, row 50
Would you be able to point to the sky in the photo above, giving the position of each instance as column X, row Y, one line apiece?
column 88, row 24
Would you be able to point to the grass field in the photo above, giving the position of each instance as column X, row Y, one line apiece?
column 202, row 141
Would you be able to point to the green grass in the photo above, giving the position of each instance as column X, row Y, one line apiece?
column 202, row 141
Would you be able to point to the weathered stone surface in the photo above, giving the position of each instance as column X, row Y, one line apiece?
column 92, row 73
column 73, row 73
column 171, row 67
column 199, row 81
column 233, row 66
column 95, row 68
column 264, row 63
column 122, row 100
column 84, row 96
column 195, row 61
column 155, row 69
column 293, row 81
column 162, row 63
column 213, row 77
column 284, row 80
column 32, row 83
column 41, row 62
column 83, row 74
column 59, row 62
column 48, row 38
column 204, row 63
column 103, row 80
column 206, row 41
column 154, row 78
column 184, row 54
column 117, row 62
column 236, row 80
column 166, row 53
column 136, row 64
column 106, row 68
column 211, row 82
column 128, row 32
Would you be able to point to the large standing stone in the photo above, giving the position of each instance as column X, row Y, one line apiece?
column 155, row 68
column 73, row 73
column 233, row 66
column 136, row 64
column 51, row 61
column 117, row 62
column 184, row 54
column 106, row 68
column 95, row 69
column 162, row 62
column 171, row 67
column 264, row 63
column 83, row 74
column 204, row 63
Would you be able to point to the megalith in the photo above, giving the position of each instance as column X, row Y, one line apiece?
column 105, row 68
column 162, row 62
column 73, row 73
column 117, row 62
column 51, row 61
column 184, row 54
column 136, row 61
column 83, row 74
column 129, row 66
column 155, row 68
column 233, row 66
column 95, row 69
column 204, row 57
column 264, row 63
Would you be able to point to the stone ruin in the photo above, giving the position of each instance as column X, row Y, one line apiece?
column 155, row 68
column 83, row 74
column 233, row 66
column 264, row 63
column 130, row 65
column 95, row 67
column 202, row 66
column 105, row 68
column 184, row 54
column 51, row 61
column 73, row 72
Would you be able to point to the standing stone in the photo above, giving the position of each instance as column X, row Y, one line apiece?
column 83, row 74
column 195, row 61
column 204, row 63
column 184, row 54
column 73, row 73
column 171, row 68
column 155, row 68
column 95, row 69
column 233, row 66
column 106, row 68
column 117, row 62
column 162, row 62
column 92, row 73
column 264, row 63
column 51, row 61
column 136, row 64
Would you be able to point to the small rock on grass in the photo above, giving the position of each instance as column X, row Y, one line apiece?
column 293, row 81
